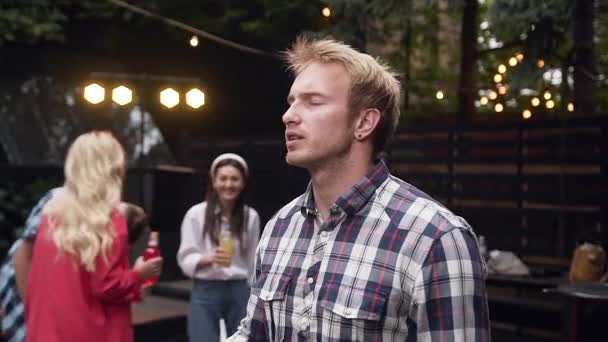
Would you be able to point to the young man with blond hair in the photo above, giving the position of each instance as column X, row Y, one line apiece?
column 361, row 255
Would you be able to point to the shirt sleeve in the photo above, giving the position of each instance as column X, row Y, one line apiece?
column 33, row 219
column 449, row 300
column 190, row 252
column 113, row 281
column 252, row 244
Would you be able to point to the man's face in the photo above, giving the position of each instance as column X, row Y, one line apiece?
column 318, row 126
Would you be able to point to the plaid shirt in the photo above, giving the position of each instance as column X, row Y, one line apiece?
column 13, row 313
column 388, row 264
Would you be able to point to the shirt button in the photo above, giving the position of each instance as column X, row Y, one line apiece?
column 348, row 312
column 310, row 280
column 324, row 235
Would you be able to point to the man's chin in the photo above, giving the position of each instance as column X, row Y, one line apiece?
column 293, row 160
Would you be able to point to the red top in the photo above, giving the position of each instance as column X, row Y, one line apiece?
column 64, row 302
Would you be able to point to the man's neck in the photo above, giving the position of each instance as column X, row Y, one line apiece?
column 335, row 178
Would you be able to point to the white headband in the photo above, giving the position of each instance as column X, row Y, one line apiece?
column 232, row 156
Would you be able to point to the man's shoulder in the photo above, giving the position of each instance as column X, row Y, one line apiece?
column 420, row 213
column 289, row 209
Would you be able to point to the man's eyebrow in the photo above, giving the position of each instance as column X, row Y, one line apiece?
column 307, row 95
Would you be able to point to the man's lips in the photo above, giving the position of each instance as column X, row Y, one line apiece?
column 290, row 136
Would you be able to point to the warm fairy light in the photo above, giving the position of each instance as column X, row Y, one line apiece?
column 94, row 93
column 497, row 78
column 492, row 95
column 512, row 61
column 439, row 95
column 547, row 95
column 483, row 100
column 169, row 98
column 194, row 41
column 550, row 104
column 326, row 12
column 535, row 101
column 499, row 107
column 526, row 114
column 502, row 68
column 122, row 95
column 520, row 57
column 571, row 107
column 540, row 63
column 195, row 98
column 502, row 90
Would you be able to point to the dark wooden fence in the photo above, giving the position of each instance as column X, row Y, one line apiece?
column 530, row 187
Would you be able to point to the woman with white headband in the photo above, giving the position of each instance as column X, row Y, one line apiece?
column 218, row 241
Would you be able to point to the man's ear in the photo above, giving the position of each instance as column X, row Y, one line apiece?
column 366, row 123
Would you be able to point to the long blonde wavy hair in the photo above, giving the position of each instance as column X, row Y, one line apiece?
column 80, row 213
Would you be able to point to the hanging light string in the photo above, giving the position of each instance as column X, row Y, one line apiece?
column 194, row 30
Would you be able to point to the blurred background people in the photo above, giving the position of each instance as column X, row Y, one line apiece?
column 80, row 285
column 218, row 241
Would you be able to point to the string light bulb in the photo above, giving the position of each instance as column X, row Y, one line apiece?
column 512, row 61
column 483, row 100
column 439, row 95
column 497, row 78
column 571, row 107
column 94, row 93
column 547, row 95
column 194, row 41
column 499, row 107
column 492, row 95
column 122, row 95
column 502, row 68
column 535, row 101
column 540, row 63
column 526, row 114
column 550, row 104
column 519, row 57
column 326, row 12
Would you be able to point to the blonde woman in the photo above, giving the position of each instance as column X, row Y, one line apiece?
column 80, row 286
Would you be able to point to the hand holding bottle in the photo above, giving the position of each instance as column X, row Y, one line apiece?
column 152, row 252
column 148, row 269
column 223, row 254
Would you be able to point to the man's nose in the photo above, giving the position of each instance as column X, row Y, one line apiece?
column 290, row 116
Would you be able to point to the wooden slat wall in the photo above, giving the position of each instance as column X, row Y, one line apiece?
column 529, row 187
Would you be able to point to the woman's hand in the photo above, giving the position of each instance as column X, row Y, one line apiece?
column 150, row 268
column 220, row 257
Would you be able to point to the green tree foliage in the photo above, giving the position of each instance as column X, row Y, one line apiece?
column 35, row 21
column 547, row 30
column 542, row 27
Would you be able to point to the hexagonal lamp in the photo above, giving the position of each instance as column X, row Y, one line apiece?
column 195, row 98
column 122, row 95
column 169, row 98
column 94, row 93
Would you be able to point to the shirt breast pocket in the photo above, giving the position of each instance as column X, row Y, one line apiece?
column 272, row 291
column 352, row 313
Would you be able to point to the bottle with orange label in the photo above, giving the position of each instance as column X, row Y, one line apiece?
column 152, row 251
